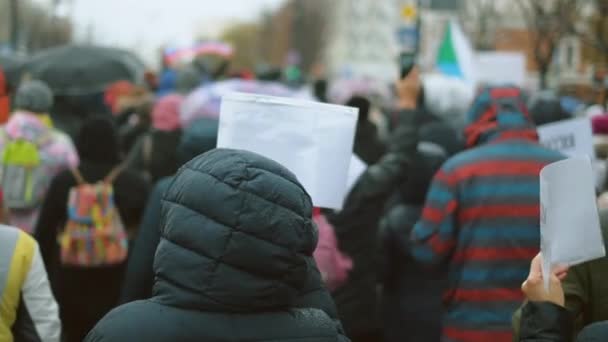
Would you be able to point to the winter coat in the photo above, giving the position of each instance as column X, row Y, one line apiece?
column 545, row 322
column 86, row 294
column 57, row 154
column 586, row 286
column 28, row 311
column 234, row 262
column 410, row 303
column 356, row 228
column 481, row 218
column 154, row 155
column 197, row 139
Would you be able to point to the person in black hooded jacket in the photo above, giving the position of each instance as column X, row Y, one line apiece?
column 197, row 139
column 234, row 262
column 86, row 294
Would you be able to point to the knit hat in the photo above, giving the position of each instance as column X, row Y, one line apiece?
column 34, row 96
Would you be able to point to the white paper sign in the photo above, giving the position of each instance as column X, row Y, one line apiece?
column 573, row 138
column 500, row 68
column 569, row 227
column 357, row 168
column 313, row 140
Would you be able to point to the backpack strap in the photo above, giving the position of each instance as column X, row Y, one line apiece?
column 78, row 176
column 111, row 177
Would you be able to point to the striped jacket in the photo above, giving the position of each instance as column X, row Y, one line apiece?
column 482, row 218
column 28, row 311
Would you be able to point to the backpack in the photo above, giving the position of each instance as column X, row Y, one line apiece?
column 24, row 180
column 333, row 264
column 94, row 234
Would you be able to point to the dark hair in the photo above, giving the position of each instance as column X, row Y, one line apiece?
column 97, row 141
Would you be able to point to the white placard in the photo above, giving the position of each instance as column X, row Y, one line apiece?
column 569, row 227
column 313, row 140
column 573, row 138
column 501, row 68
column 357, row 168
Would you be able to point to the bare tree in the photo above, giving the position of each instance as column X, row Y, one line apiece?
column 480, row 19
column 548, row 22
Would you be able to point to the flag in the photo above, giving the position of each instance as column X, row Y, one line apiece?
column 456, row 56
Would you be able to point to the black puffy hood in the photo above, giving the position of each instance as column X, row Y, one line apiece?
column 236, row 235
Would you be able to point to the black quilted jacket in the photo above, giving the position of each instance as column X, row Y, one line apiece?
column 234, row 261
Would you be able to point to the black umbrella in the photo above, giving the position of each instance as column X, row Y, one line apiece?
column 11, row 66
column 79, row 70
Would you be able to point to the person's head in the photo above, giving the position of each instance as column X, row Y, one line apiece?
column 498, row 112
column 545, row 107
column 364, row 106
column 200, row 137
column 97, row 141
column 165, row 114
column 236, row 235
column 34, row 97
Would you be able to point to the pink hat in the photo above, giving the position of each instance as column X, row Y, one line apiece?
column 165, row 115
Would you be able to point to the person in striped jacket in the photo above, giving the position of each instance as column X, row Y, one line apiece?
column 481, row 218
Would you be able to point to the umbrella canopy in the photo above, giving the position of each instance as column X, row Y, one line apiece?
column 11, row 66
column 79, row 70
column 205, row 102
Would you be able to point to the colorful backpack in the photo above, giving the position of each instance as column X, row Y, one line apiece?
column 94, row 234
column 24, row 180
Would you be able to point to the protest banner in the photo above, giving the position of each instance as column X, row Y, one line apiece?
column 569, row 226
column 313, row 140
column 573, row 138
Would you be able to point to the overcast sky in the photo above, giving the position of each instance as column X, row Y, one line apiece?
column 144, row 25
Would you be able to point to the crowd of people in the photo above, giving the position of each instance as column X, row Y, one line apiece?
column 134, row 227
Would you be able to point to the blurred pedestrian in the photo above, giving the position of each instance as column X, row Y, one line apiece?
column 86, row 293
column 545, row 107
column 138, row 125
column 411, row 303
column 33, row 152
column 234, row 261
column 28, row 309
column 481, row 218
column 356, row 225
column 154, row 153
column 197, row 139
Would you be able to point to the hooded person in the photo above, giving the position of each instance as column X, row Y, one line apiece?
column 197, row 139
column 33, row 152
column 356, row 225
column 85, row 294
column 234, row 262
column 154, row 153
column 410, row 303
column 481, row 218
